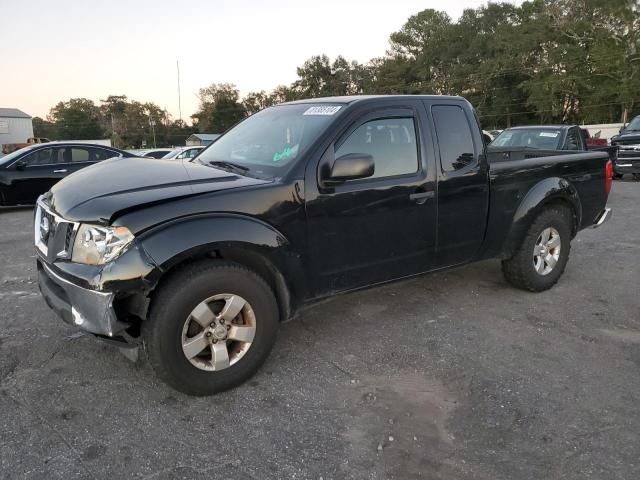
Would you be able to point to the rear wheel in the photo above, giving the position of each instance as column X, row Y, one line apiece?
column 636, row 177
column 210, row 327
column 542, row 256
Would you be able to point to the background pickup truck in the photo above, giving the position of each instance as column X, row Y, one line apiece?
column 628, row 143
column 201, row 260
column 545, row 140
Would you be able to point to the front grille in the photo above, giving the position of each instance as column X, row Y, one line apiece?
column 53, row 235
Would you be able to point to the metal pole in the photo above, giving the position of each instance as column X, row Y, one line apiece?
column 179, row 101
column 153, row 129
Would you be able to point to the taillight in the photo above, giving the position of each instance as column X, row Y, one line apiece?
column 608, row 176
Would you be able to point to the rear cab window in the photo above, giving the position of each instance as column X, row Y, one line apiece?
column 455, row 137
column 574, row 139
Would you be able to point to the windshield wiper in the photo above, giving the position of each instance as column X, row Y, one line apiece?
column 228, row 165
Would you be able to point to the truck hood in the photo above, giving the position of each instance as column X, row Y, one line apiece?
column 101, row 192
column 626, row 138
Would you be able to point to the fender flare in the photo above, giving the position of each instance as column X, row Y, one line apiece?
column 173, row 243
column 167, row 243
column 544, row 192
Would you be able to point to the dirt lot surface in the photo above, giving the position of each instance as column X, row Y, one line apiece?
column 454, row 375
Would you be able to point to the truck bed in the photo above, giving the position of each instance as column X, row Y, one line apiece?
column 515, row 183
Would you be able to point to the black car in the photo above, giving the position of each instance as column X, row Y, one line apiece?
column 201, row 260
column 29, row 172
column 628, row 143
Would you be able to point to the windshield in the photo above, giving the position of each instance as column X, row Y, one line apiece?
column 269, row 142
column 10, row 157
column 539, row 138
column 634, row 125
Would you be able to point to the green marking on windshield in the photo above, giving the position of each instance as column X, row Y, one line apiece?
column 286, row 153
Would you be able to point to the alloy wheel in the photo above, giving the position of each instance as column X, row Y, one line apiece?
column 546, row 251
column 218, row 332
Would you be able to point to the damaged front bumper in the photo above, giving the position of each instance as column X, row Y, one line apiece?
column 90, row 310
column 104, row 300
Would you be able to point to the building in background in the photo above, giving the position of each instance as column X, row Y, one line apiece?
column 201, row 139
column 15, row 126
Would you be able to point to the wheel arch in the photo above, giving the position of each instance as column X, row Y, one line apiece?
column 546, row 193
column 244, row 240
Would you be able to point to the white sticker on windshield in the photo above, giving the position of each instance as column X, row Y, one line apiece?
column 324, row 110
column 549, row 134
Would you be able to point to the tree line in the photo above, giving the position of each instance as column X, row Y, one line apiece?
column 128, row 123
column 545, row 61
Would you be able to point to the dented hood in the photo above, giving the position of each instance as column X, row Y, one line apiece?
column 101, row 192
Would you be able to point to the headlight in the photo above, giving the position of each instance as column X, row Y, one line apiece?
column 96, row 245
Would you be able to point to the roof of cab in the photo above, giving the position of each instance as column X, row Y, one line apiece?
column 348, row 99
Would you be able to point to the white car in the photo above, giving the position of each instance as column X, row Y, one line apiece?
column 184, row 153
column 156, row 152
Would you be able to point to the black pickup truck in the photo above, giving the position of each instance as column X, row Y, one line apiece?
column 199, row 261
column 628, row 143
column 544, row 140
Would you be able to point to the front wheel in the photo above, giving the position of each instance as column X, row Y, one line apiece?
column 210, row 327
column 542, row 256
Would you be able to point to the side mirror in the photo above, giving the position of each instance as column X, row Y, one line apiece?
column 21, row 165
column 352, row 166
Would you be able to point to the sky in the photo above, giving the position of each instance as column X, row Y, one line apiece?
column 88, row 48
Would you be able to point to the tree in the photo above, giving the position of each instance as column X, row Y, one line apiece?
column 220, row 108
column 543, row 61
column 255, row 101
column 283, row 93
column 44, row 128
column 319, row 77
column 418, row 59
column 76, row 119
column 112, row 111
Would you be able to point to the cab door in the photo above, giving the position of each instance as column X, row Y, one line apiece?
column 378, row 228
column 463, row 185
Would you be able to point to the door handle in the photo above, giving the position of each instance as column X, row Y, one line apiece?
column 421, row 197
column 64, row 170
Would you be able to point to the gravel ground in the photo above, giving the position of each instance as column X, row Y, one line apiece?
column 447, row 376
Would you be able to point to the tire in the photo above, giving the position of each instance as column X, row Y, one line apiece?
column 524, row 269
column 185, row 302
column 636, row 177
column 617, row 176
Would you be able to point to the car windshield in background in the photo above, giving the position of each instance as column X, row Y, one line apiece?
column 11, row 156
column 634, row 125
column 538, row 138
column 269, row 142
